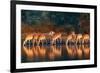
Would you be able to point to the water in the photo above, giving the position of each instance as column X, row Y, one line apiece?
column 45, row 53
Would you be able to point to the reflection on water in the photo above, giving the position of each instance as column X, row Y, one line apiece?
column 55, row 53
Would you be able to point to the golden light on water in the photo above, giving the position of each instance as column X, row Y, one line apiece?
column 55, row 47
column 53, row 52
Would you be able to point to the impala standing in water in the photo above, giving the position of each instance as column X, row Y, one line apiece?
column 71, row 38
column 41, row 39
column 79, row 38
column 55, row 37
column 28, row 38
column 35, row 38
column 85, row 38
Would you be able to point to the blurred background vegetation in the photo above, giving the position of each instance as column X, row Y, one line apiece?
column 46, row 21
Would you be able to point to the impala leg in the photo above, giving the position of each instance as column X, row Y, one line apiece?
column 83, row 42
column 67, row 42
column 24, row 42
column 76, row 42
column 42, row 42
column 33, row 42
column 52, row 42
column 60, row 40
column 38, row 43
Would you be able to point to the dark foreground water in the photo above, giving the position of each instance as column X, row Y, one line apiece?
column 55, row 53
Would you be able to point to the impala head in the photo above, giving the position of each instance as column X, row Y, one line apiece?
column 79, row 36
column 86, row 36
column 29, row 36
column 51, row 33
column 73, row 33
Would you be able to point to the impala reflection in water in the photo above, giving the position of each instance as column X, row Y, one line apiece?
column 55, row 53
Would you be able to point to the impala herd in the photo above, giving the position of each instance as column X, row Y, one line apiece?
column 54, row 38
column 72, row 45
